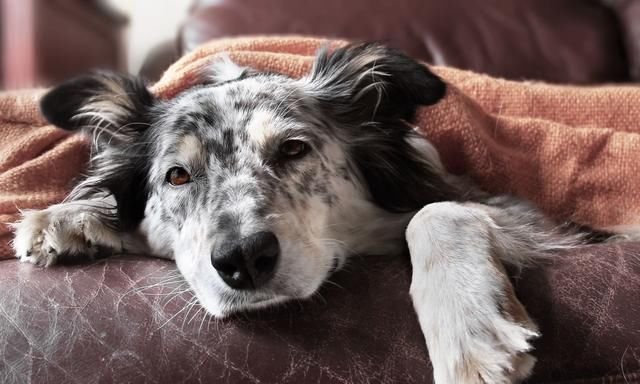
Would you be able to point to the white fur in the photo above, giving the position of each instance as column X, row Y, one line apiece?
column 71, row 229
column 224, row 69
column 454, row 289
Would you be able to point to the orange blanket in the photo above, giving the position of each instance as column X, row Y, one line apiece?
column 574, row 151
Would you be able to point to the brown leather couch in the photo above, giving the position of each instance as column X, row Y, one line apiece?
column 562, row 41
column 129, row 319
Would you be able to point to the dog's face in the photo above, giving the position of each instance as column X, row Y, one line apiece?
column 258, row 184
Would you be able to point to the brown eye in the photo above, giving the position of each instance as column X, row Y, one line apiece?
column 178, row 176
column 294, row 148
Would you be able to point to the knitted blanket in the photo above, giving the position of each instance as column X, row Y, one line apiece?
column 573, row 151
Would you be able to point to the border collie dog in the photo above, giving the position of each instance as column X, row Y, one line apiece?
column 259, row 186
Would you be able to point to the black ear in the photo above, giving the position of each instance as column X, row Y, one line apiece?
column 369, row 93
column 114, row 110
column 369, row 82
column 102, row 101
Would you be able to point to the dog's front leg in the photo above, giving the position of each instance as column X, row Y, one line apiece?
column 71, row 230
column 475, row 328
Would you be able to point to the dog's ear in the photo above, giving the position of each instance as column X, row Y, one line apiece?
column 368, row 82
column 368, row 94
column 106, row 105
column 114, row 111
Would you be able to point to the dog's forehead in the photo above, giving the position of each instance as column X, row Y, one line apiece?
column 239, row 106
column 224, row 117
column 229, row 98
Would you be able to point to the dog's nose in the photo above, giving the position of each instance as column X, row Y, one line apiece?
column 247, row 263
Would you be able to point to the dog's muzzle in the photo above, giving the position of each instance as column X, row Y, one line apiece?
column 249, row 262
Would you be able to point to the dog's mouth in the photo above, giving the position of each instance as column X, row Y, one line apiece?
column 266, row 301
column 239, row 302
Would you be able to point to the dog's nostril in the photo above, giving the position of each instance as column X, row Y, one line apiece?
column 265, row 263
column 227, row 268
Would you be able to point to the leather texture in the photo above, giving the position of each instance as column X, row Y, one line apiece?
column 628, row 12
column 124, row 319
column 561, row 41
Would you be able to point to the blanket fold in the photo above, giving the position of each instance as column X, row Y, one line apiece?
column 574, row 151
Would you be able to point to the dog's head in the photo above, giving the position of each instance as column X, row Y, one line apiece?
column 259, row 184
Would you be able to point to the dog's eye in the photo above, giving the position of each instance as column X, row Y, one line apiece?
column 294, row 148
column 178, row 176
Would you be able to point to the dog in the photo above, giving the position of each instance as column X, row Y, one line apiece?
column 260, row 186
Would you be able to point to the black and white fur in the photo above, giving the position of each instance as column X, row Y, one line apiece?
column 364, row 182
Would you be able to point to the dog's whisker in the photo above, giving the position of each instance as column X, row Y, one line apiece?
column 176, row 314
column 205, row 316
column 318, row 295
column 191, row 305
column 168, row 281
column 176, row 297
column 331, row 282
column 195, row 314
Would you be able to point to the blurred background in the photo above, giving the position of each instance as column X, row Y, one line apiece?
column 562, row 41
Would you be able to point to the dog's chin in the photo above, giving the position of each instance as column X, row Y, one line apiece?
column 255, row 305
column 224, row 307
column 232, row 302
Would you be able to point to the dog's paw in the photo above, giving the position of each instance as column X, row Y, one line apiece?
column 29, row 236
column 494, row 350
column 44, row 237
column 498, row 353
